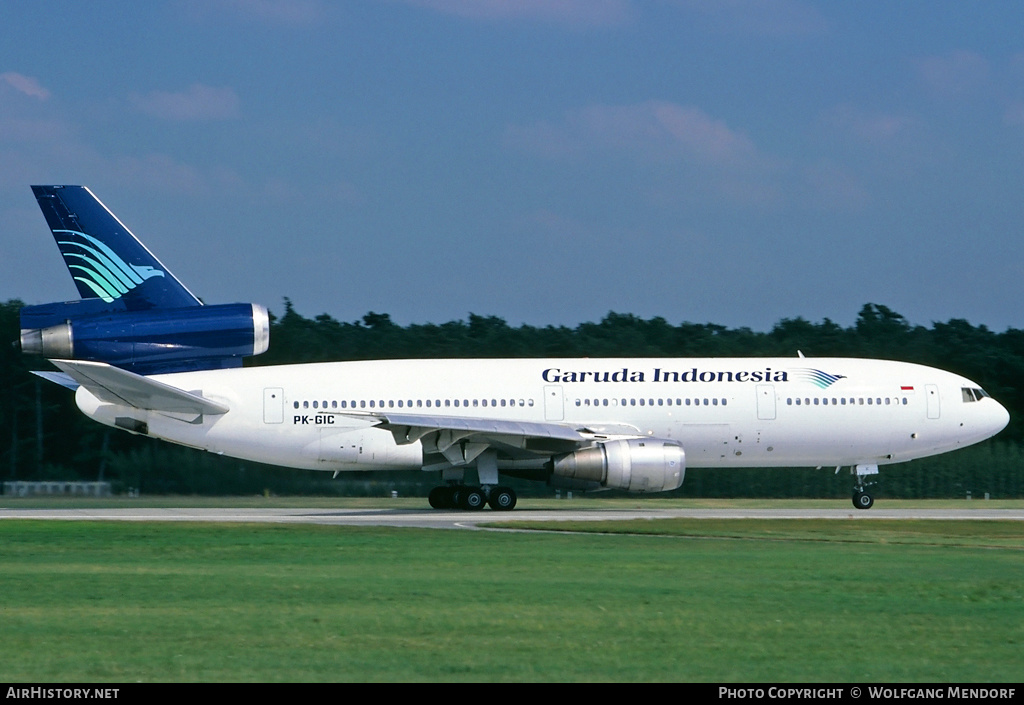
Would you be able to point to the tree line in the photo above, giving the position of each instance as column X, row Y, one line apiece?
column 46, row 438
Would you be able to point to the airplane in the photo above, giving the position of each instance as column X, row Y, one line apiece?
column 145, row 355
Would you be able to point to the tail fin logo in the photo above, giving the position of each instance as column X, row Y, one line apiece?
column 98, row 267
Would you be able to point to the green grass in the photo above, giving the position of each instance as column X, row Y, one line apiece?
column 773, row 601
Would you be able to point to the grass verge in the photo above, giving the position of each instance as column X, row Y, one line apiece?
column 910, row 601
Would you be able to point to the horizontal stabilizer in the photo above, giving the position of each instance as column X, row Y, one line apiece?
column 61, row 378
column 116, row 386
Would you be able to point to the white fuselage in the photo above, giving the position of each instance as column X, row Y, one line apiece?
column 725, row 412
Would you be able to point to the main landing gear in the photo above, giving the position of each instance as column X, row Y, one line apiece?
column 862, row 499
column 500, row 499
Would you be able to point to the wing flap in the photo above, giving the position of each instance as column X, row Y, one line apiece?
column 117, row 386
column 461, row 439
column 419, row 424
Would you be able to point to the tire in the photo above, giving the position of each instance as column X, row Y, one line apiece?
column 503, row 499
column 862, row 500
column 440, row 498
column 472, row 498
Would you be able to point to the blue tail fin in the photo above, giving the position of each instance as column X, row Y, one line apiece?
column 106, row 261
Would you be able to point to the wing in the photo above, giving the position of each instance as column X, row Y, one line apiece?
column 461, row 440
column 117, row 386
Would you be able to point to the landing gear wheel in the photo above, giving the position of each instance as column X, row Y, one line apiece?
column 471, row 498
column 862, row 500
column 441, row 498
column 503, row 499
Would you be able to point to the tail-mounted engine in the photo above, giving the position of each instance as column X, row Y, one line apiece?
column 637, row 465
column 147, row 342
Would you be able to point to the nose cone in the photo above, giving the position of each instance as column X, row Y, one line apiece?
column 999, row 418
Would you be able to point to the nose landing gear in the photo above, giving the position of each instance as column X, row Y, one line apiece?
column 862, row 499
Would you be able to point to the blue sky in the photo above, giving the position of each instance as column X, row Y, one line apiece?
column 545, row 161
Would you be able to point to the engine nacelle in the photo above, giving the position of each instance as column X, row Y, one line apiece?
column 160, row 340
column 636, row 465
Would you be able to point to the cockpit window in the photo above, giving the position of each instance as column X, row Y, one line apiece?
column 973, row 393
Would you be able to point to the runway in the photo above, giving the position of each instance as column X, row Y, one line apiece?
column 441, row 519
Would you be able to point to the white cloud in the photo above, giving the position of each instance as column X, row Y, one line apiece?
column 198, row 102
column 954, row 75
column 294, row 13
column 25, row 84
column 649, row 131
column 869, row 126
column 1014, row 114
column 576, row 13
column 772, row 18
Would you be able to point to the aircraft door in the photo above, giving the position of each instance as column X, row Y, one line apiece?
column 273, row 405
column 554, row 409
column 766, row 402
column 932, row 393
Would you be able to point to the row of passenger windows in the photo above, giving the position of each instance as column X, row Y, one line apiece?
column 651, row 402
column 844, row 401
column 505, row 403
column 410, row 403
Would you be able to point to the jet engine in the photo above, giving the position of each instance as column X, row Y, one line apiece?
column 147, row 342
column 636, row 465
